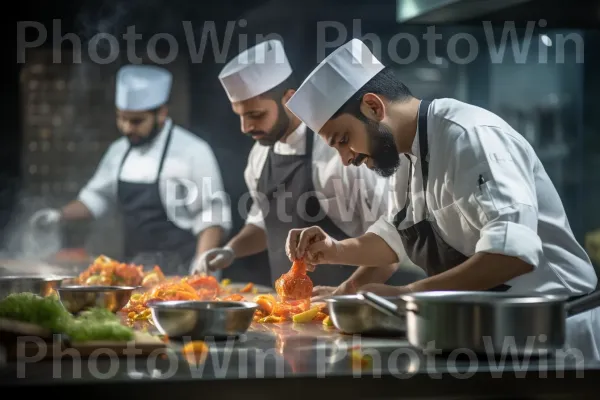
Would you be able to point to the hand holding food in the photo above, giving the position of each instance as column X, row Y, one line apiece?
column 311, row 244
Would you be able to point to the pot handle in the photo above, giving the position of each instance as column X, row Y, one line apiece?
column 583, row 303
column 381, row 304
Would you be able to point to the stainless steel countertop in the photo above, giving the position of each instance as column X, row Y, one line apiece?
column 305, row 354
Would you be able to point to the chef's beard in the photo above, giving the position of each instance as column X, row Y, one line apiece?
column 382, row 147
column 277, row 132
column 138, row 141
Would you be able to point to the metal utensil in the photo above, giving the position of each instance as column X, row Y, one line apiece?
column 200, row 319
column 485, row 322
column 81, row 298
column 40, row 285
column 352, row 315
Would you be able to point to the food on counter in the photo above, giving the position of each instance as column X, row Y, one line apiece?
column 48, row 312
column 273, row 310
column 196, row 287
column 327, row 321
column 306, row 316
column 108, row 272
column 195, row 352
column 294, row 290
column 295, row 284
column 153, row 277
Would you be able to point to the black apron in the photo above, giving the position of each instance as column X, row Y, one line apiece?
column 423, row 245
column 150, row 237
column 289, row 203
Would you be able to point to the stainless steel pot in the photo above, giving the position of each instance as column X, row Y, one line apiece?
column 485, row 322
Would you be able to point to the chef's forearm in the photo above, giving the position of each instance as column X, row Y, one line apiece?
column 75, row 210
column 480, row 272
column 249, row 241
column 365, row 275
column 368, row 250
column 209, row 238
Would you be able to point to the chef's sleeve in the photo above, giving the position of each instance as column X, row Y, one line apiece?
column 213, row 207
column 385, row 229
column 98, row 195
column 493, row 183
column 251, row 175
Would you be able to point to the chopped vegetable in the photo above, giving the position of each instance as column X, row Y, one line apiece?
column 92, row 330
column 47, row 312
column 306, row 316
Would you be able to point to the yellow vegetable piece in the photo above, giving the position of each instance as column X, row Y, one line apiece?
column 327, row 321
column 225, row 282
column 306, row 316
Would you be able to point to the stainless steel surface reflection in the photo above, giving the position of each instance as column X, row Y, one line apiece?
column 200, row 319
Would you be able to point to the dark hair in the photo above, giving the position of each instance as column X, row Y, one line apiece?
column 385, row 84
column 278, row 91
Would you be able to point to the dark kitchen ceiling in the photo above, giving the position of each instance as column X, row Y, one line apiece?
column 572, row 14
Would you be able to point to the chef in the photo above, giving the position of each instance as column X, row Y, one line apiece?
column 164, row 179
column 474, row 206
column 295, row 180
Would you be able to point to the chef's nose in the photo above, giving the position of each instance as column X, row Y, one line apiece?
column 347, row 156
column 246, row 126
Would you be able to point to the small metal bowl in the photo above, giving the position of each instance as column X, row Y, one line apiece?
column 353, row 315
column 81, row 298
column 196, row 320
column 40, row 285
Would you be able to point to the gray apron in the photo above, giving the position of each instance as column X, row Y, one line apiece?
column 150, row 237
column 423, row 245
column 286, row 182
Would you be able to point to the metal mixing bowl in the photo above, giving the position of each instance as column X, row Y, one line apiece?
column 196, row 320
column 39, row 285
column 353, row 315
column 81, row 298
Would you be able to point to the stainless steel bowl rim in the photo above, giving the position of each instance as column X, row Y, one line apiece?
column 201, row 305
column 34, row 278
column 352, row 298
column 478, row 297
column 77, row 288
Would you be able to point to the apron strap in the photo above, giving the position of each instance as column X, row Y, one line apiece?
column 423, row 151
column 164, row 153
column 162, row 158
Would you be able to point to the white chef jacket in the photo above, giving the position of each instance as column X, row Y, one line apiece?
column 191, row 187
column 516, row 212
column 352, row 197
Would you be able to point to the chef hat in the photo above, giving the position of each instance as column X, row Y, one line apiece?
column 142, row 87
column 255, row 71
column 333, row 82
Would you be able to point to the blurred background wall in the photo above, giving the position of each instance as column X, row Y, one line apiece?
column 61, row 113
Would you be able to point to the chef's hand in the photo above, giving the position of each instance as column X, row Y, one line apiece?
column 45, row 219
column 320, row 292
column 311, row 244
column 213, row 260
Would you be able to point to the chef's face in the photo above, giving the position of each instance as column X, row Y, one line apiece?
column 265, row 119
column 365, row 138
column 140, row 126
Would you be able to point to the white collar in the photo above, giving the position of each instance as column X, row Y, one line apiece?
column 295, row 142
column 159, row 140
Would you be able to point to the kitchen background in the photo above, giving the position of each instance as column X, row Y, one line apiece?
column 60, row 114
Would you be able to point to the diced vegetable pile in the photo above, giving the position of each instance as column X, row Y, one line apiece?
column 48, row 312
